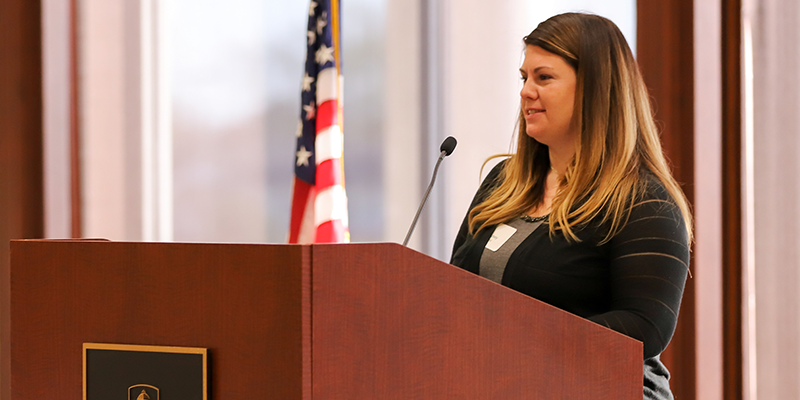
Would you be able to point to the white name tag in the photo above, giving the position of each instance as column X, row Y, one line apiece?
column 501, row 234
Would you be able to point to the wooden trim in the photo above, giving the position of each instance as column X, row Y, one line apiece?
column 21, row 143
column 21, row 159
column 665, row 53
column 732, row 200
column 74, row 127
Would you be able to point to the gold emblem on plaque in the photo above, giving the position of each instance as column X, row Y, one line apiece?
column 143, row 392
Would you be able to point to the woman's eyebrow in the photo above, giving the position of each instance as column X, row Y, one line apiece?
column 537, row 69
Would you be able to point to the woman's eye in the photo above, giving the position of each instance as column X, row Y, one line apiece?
column 544, row 77
column 523, row 78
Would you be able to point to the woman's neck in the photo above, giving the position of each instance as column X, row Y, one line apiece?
column 559, row 160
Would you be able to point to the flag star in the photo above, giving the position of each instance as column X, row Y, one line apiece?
column 312, row 7
column 312, row 37
column 307, row 81
column 310, row 111
column 303, row 156
column 299, row 129
column 322, row 22
column 324, row 54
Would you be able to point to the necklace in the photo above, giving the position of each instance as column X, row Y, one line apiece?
column 528, row 218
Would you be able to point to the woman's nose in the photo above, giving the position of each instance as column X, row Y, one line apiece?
column 528, row 91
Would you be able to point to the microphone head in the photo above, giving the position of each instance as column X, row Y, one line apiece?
column 448, row 145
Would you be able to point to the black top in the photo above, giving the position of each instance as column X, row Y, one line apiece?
column 632, row 284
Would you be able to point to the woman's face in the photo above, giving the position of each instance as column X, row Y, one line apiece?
column 547, row 98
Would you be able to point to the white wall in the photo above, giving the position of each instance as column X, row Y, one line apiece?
column 106, row 154
column 125, row 133
column 56, row 78
column 707, row 270
column 775, row 102
column 402, row 139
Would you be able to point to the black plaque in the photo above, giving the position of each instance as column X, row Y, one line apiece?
column 118, row 371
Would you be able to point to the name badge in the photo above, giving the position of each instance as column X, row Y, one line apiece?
column 501, row 234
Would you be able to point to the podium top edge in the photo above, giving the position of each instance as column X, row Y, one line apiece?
column 104, row 240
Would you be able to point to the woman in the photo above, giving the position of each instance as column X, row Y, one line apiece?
column 586, row 215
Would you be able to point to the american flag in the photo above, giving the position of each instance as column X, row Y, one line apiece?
column 319, row 201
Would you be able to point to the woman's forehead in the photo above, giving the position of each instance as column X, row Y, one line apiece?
column 537, row 58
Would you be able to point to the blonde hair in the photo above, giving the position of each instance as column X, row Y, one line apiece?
column 618, row 138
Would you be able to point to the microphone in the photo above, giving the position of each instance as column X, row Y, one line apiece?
column 446, row 149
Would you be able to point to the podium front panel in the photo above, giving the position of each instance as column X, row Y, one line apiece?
column 242, row 302
column 391, row 323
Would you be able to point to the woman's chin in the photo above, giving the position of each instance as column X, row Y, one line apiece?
column 537, row 135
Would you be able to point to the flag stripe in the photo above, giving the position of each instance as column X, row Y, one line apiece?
column 330, row 174
column 326, row 116
column 307, row 227
column 301, row 193
column 331, row 204
column 327, row 85
column 329, row 145
column 331, row 231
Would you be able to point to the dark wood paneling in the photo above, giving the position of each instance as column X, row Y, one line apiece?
column 666, row 56
column 242, row 302
column 391, row 323
column 21, row 181
column 21, row 120
column 21, row 201
column 732, row 200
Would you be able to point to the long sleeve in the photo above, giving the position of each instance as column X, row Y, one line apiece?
column 649, row 262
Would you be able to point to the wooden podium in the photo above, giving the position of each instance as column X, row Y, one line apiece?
column 355, row 321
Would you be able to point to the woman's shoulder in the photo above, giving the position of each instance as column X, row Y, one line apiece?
column 493, row 179
column 654, row 199
column 652, row 188
column 495, row 172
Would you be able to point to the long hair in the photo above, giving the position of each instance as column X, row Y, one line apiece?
column 618, row 139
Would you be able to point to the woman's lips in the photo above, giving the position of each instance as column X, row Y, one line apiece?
column 532, row 111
